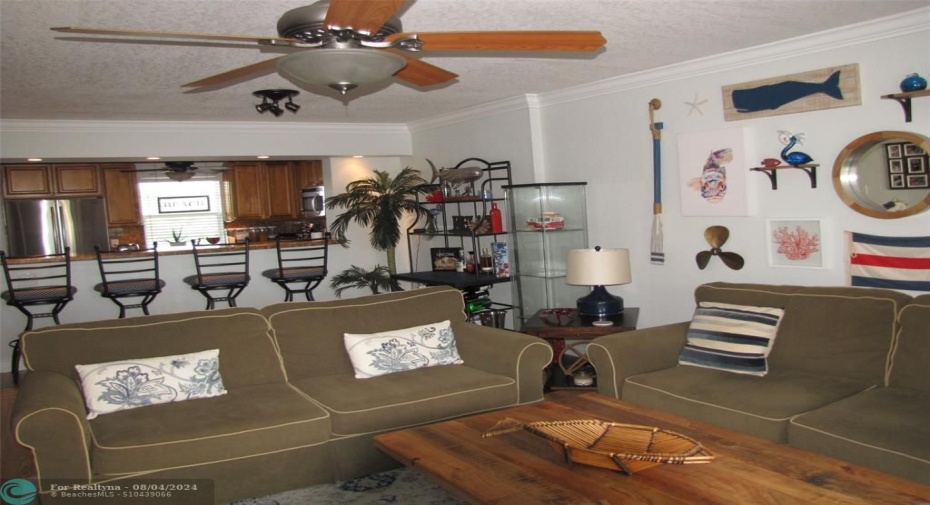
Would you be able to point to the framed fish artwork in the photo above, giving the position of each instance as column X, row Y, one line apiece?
column 712, row 173
column 826, row 88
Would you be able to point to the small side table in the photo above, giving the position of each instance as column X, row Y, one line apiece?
column 559, row 325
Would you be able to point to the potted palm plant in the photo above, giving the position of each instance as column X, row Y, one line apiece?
column 379, row 203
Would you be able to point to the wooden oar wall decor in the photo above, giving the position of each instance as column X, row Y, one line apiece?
column 657, row 254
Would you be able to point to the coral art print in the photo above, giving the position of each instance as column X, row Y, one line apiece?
column 713, row 180
column 795, row 243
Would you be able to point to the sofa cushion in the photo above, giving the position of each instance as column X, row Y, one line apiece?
column 759, row 406
column 397, row 400
column 247, row 421
column 733, row 338
column 385, row 352
column 835, row 331
column 910, row 361
column 128, row 384
column 307, row 330
column 884, row 428
column 248, row 354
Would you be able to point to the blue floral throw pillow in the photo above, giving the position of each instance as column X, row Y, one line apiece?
column 130, row 383
column 401, row 350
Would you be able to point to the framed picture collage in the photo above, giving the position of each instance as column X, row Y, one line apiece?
column 907, row 166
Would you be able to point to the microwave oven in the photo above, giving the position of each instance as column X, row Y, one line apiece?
column 313, row 201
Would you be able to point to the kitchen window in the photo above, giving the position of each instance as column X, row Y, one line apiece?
column 192, row 208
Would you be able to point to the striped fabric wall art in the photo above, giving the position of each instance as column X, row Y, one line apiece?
column 901, row 263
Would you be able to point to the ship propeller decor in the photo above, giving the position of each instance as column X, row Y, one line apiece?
column 344, row 44
column 716, row 236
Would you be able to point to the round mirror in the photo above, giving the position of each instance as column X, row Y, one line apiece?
column 884, row 174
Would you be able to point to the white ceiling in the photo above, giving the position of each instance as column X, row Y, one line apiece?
column 45, row 76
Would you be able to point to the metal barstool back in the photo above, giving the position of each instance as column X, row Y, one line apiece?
column 224, row 270
column 303, row 266
column 36, row 281
column 129, row 276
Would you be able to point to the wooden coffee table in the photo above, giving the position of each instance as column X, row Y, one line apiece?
column 521, row 468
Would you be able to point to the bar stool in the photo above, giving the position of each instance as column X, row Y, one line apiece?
column 225, row 270
column 129, row 275
column 42, row 281
column 305, row 266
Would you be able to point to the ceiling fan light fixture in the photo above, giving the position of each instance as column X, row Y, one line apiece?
column 179, row 176
column 342, row 69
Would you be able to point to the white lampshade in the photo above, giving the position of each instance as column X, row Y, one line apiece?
column 340, row 69
column 598, row 267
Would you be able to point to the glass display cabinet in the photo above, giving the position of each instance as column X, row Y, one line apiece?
column 546, row 221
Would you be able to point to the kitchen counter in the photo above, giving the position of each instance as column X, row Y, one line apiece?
column 177, row 250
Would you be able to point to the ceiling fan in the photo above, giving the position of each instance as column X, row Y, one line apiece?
column 178, row 170
column 344, row 44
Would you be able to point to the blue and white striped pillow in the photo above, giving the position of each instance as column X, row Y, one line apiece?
column 733, row 338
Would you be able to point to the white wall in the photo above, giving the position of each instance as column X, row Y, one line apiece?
column 599, row 134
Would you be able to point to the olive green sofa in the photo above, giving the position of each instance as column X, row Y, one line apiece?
column 848, row 374
column 294, row 414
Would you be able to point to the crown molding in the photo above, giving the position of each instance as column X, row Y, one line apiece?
column 860, row 33
column 37, row 125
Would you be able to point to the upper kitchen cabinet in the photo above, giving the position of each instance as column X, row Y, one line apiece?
column 264, row 190
column 41, row 181
column 308, row 174
column 121, row 190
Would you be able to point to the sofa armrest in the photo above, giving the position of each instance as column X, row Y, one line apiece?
column 516, row 355
column 621, row 355
column 49, row 418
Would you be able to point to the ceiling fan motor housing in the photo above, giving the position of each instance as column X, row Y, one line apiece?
column 307, row 24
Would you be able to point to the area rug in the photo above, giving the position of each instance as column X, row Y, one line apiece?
column 401, row 486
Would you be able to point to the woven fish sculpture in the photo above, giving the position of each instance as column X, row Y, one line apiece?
column 626, row 448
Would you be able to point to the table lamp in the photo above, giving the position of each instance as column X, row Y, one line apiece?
column 598, row 268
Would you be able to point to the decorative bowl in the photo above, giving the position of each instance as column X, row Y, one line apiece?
column 213, row 240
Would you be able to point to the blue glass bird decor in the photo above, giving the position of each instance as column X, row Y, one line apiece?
column 790, row 139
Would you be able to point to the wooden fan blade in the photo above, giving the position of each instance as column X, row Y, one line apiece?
column 234, row 74
column 703, row 258
column 363, row 16
column 732, row 260
column 508, row 41
column 716, row 236
column 421, row 73
column 174, row 35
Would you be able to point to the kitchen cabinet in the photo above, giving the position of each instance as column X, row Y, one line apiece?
column 308, row 174
column 546, row 221
column 263, row 190
column 121, row 192
column 41, row 181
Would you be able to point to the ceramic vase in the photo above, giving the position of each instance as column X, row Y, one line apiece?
column 913, row 82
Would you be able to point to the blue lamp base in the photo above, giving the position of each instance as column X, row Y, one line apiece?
column 599, row 304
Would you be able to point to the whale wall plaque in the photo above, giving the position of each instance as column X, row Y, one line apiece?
column 826, row 88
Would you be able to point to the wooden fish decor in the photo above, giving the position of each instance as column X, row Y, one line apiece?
column 626, row 448
column 825, row 88
column 716, row 236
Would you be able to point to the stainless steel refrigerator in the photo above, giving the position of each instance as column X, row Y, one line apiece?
column 43, row 227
